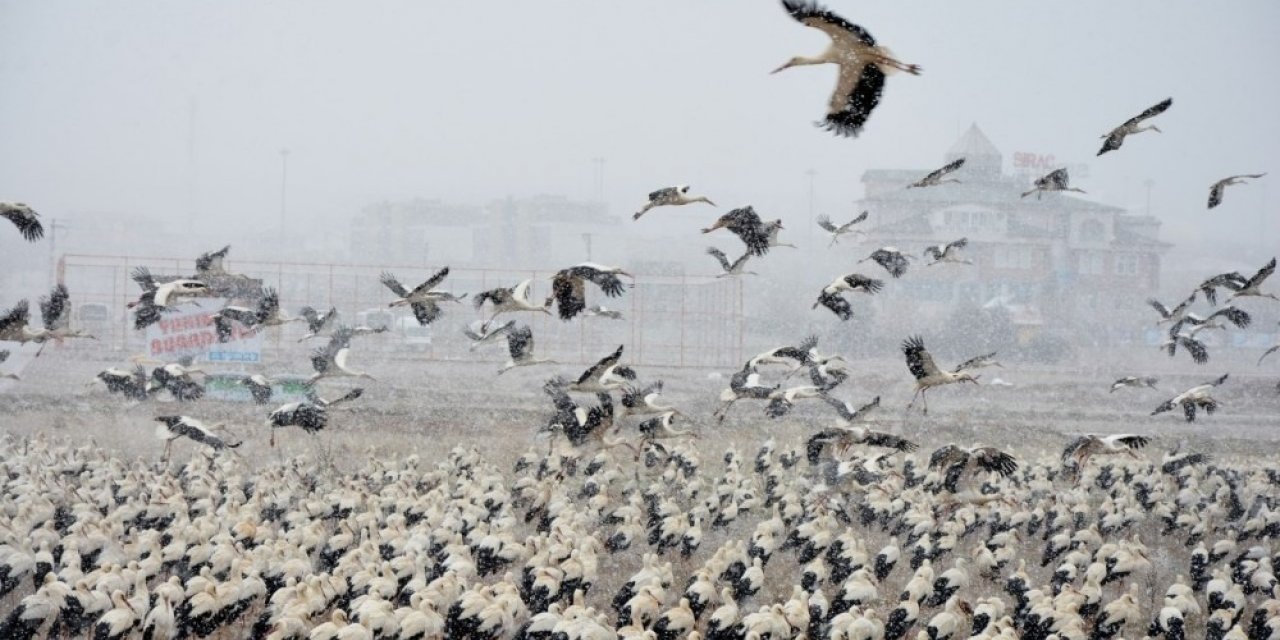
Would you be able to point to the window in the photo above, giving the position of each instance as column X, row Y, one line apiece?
column 1090, row 262
column 1126, row 264
column 1015, row 257
column 1092, row 231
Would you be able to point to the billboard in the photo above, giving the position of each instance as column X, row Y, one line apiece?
column 189, row 331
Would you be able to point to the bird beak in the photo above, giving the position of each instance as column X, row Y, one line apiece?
column 717, row 225
column 1156, row 129
column 785, row 66
column 624, row 273
column 711, row 203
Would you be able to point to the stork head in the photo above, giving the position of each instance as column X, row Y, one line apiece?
column 965, row 376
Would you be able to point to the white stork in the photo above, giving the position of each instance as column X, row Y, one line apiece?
column 317, row 323
column 159, row 298
column 177, row 379
column 1174, row 315
column 660, row 427
column 173, row 427
column 580, row 426
column 793, row 357
column 1079, row 451
column 1133, row 125
column 935, row 177
column 781, row 400
column 265, row 314
column 1196, row 397
column 55, row 314
column 1250, row 286
column 955, row 463
column 604, row 376
column 831, row 295
column 927, row 374
column 24, row 218
column 771, row 230
column 947, row 252
column 520, row 346
column 1056, row 180
column 842, row 438
column 480, row 334
column 508, row 299
column 670, row 196
column 743, row 384
column 311, row 416
column 423, row 299
column 643, row 401
column 1231, row 281
column 1215, row 191
column 331, row 360
column 745, row 223
column 568, row 286
column 863, row 66
column 837, row 231
column 893, row 261
column 734, row 269
column 1133, row 381
column 131, row 384
column 260, row 387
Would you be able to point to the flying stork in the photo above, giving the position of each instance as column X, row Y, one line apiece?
column 1079, row 451
column 265, row 314
column 423, row 299
column 317, row 323
column 893, row 261
column 831, row 295
column 131, row 384
column 1196, row 397
column 771, row 230
column 24, row 218
column 580, row 426
column 1133, row 381
column 935, row 177
column 927, row 374
column 1116, row 136
column 643, row 401
column 955, row 462
column 1174, row 315
column 55, row 314
column 1056, row 180
column 480, row 334
column 863, row 66
column 520, row 346
column 947, row 252
column 830, row 227
column 735, row 269
column 1250, row 286
column 781, row 400
column 1232, row 280
column 604, row 376
column 508, row 299
column 568, row 286
column 331, row 360
column 745, row 223
column 177, row 379
column 660, row 428
column 793, row 357
column 842, row 439
column 173, row 427
column 1235, row 315
column 743, row 384
column 670, row 196
column 259, row 387
column 311, row 416
column 1215, row 191
column 159, row 298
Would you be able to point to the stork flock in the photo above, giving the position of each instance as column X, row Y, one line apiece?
column 600, row 530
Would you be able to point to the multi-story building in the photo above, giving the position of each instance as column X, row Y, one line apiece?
column 1053, row 258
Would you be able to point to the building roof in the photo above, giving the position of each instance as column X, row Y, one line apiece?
column 973, row 143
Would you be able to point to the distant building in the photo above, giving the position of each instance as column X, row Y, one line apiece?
column 513, row 233
column 1061, row 258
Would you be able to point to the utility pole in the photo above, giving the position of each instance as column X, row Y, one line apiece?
column 812, row 174
column 284, row 183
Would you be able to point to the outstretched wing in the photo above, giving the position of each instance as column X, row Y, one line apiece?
column 663, row 196
column 54, row 311
column 1132, row 441
column 1076, row 445
column 426, row 311
column 13, row 321
column 973, row 362
column 569, row 293
column 598, row 369
column 389, row 281
column 857, row 93
column 211, row 261
column 1262, row 274
column 836, row 303
column 947, row 168
column 24, row 219
column 958, row 244
column 432, row 282
column 890, row 441
column 268, row 305
column 992, row 459
column 1194, row 347
column 1215, row 192
column 948, row 456
column 918, row 359
column 825, row 223
column 197, row 432
column 520, row 342
column 933, row 251
column 1150, row 112
column 719, row 255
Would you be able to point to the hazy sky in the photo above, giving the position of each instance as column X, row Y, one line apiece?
column 115, row 106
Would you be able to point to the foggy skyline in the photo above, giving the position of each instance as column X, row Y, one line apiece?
column 156, row 109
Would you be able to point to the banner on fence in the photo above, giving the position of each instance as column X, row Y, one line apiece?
column 189, row 331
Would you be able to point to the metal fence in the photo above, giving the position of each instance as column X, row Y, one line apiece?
column 678, row 321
